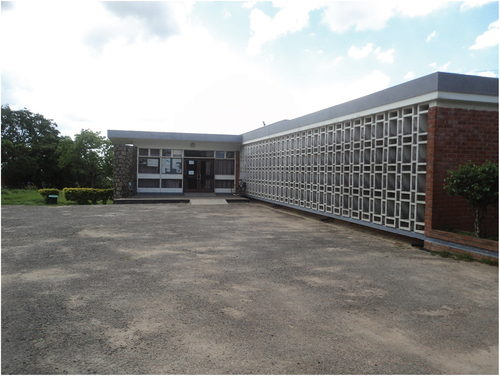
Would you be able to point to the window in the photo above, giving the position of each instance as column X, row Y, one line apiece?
column 144, row 152
column 219, row 154
column 149, row 183
column 171, row 183
column 154, row 152
column 149, row 166
column 224, row 167
column 224, row 184
column 171, row 166
column 166, row 152
column 198, row 153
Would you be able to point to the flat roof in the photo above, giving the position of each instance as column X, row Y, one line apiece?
column 128, row 137
column 433, row 83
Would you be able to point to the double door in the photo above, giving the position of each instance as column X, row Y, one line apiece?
column 198, row 175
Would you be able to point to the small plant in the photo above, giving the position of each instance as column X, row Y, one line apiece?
column 479, row 186
column 48, row 192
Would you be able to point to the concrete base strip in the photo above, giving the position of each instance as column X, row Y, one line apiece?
column 207, row 201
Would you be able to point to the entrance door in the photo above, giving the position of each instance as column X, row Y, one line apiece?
column 198, row 175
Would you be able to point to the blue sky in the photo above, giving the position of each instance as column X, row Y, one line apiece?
column 225, row 67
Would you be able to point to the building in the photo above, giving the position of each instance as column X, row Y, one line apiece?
column 379, row 160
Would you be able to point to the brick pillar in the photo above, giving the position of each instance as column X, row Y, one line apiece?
column 125, row 170
column 455, row 136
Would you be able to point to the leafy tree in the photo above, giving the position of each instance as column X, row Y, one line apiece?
column 479, row 186
column 89, row 158
column 29, row 144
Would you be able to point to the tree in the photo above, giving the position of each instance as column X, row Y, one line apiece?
column 89, row 158
column 479, row 186
column 29, row 144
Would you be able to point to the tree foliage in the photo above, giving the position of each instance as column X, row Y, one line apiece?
column 33, row 152
column 29, row 144
column 479, row 186
column 90, row 158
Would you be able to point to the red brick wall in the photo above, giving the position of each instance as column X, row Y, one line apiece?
column 455, row 136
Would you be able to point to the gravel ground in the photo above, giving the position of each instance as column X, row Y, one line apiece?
column 239, row 289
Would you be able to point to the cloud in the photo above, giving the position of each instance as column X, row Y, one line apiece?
column 7, row 5
column 132, row 19
column 385, row 57
column 489, row 38
column 341, row 16
column 226, row 13
column 442, row 68
column 466, row 5
column 431, row 36
column 410, row 75
column 483, row 73
column 360, row 53
column 292, row 17
column 333, row 93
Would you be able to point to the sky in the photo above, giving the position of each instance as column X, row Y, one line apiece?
column 227, row 67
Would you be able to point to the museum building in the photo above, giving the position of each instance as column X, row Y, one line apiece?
column 379, row 160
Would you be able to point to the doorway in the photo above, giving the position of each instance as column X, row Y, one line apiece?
column 198, row 175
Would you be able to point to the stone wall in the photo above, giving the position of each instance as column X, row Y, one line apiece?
column 125, row 171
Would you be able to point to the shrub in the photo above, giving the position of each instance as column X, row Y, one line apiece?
column 48, row 192
column 84, row 196
column 479, row 186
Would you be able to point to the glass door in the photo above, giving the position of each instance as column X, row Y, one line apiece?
column 198, row 175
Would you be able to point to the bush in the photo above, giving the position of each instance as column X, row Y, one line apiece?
column 48, row 192
column 84, row 196
column 479, row 186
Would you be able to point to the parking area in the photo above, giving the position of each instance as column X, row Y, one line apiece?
column 243, row 288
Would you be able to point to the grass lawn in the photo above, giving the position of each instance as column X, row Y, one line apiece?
column 31, row 197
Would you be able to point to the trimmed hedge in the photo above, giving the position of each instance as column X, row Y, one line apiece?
column 85, row 196
column 48, row 192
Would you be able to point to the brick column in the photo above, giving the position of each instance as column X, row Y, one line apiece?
column 455, row 136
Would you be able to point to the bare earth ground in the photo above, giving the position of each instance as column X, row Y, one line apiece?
column 241, row 288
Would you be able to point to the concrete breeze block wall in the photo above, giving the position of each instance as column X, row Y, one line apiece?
column 454, row 137
column 125, row 170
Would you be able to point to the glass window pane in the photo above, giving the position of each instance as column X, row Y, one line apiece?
column 230, row 154
column 144, row 152
column 219, row 154
column 154, row 152
column 166, row 152
column 149, row 183
column 149, row 166
column 224, row 167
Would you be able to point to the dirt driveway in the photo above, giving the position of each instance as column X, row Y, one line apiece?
column 239, row 289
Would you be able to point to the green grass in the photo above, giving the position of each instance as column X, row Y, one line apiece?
column 30, row 197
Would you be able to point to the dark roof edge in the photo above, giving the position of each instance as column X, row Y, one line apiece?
column 173, row 136
column 438, row 81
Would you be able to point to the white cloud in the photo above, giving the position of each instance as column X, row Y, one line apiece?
column 441, row 68
column 226, row 13
column 409, row 76
column 431, row 36
column 489, row 38
column 360, row 53
column 385, row 57
column 341, row 16
column 473, row 4
column 144, row 83
column 330, row 94
column 292, row 17
column 483, row 73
